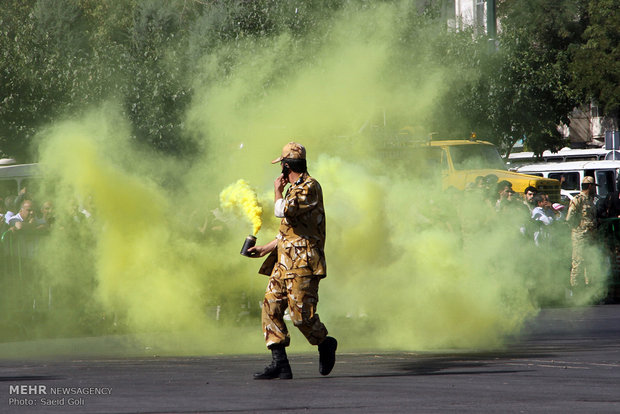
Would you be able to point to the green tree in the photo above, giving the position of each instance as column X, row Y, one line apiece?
column 521, row 90
column 157, row 93
column 19, row 105
column 527, row 89
column 595, row 67
column 62, row 56
column 48, row 69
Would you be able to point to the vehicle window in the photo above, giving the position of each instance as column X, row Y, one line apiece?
column 426, row 159
column 611, row 155
column 32, row 185
column 605, row 181
column 473, row 157
column 8, row 187
column 419, row 159
column 568, row 180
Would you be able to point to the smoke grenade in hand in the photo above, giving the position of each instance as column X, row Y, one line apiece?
column 250, row 241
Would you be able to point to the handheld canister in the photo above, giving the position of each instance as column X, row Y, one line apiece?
column 250, row 241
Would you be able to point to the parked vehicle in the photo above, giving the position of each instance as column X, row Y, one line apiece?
column 462, row 161
column 570, row 174
column 13, row 177
column 518, row 159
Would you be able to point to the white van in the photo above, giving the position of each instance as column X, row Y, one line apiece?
column 518, row 159
column 13, row 177
column 570, row 174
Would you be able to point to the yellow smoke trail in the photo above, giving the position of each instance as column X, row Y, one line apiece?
column 240, row 196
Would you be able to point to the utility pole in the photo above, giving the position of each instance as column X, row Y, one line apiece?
column 491, row 25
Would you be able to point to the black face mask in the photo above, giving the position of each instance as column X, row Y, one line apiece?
column 285, row 170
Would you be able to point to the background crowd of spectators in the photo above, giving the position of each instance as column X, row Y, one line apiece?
column 533, row 210
column 21, row 213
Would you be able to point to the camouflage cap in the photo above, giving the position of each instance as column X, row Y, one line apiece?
column 292, row 150
column 588, row 180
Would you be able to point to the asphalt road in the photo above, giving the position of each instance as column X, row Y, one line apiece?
column 568, row 362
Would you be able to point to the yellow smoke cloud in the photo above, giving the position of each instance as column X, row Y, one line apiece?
column 410, row 267
column 241, row 197
column 140, row 264
column 135, row 249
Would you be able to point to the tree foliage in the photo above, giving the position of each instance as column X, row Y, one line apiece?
column 596, row 61
column 530, row 74
column 60, row 57
column 22, row 108
column 520, row 89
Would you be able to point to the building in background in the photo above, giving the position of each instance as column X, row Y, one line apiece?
column 588, row 129
column 466, row 13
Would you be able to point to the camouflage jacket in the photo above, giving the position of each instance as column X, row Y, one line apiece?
column 301, row 237
column 582, row 213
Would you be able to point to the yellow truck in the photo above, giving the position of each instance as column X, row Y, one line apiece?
column 461, row 162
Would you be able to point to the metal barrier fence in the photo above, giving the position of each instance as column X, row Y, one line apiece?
column 20, row 291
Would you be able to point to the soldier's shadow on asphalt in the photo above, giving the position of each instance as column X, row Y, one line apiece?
column 453, row 368
column 457, row 364
column 439, row 367
column 472, row 363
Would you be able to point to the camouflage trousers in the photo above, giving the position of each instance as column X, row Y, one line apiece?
column 579, row 269
column 300, row 295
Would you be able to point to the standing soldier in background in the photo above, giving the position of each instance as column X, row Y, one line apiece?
column 581, row 217
column 296, row 264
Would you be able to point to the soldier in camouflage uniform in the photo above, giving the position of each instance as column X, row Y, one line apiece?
column 295, row 265
column 582, row 219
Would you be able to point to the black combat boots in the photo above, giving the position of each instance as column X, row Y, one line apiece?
column 279, row 367
column 327, row 355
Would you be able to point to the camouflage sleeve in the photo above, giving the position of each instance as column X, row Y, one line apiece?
column 574, row 210
column 301, row 199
